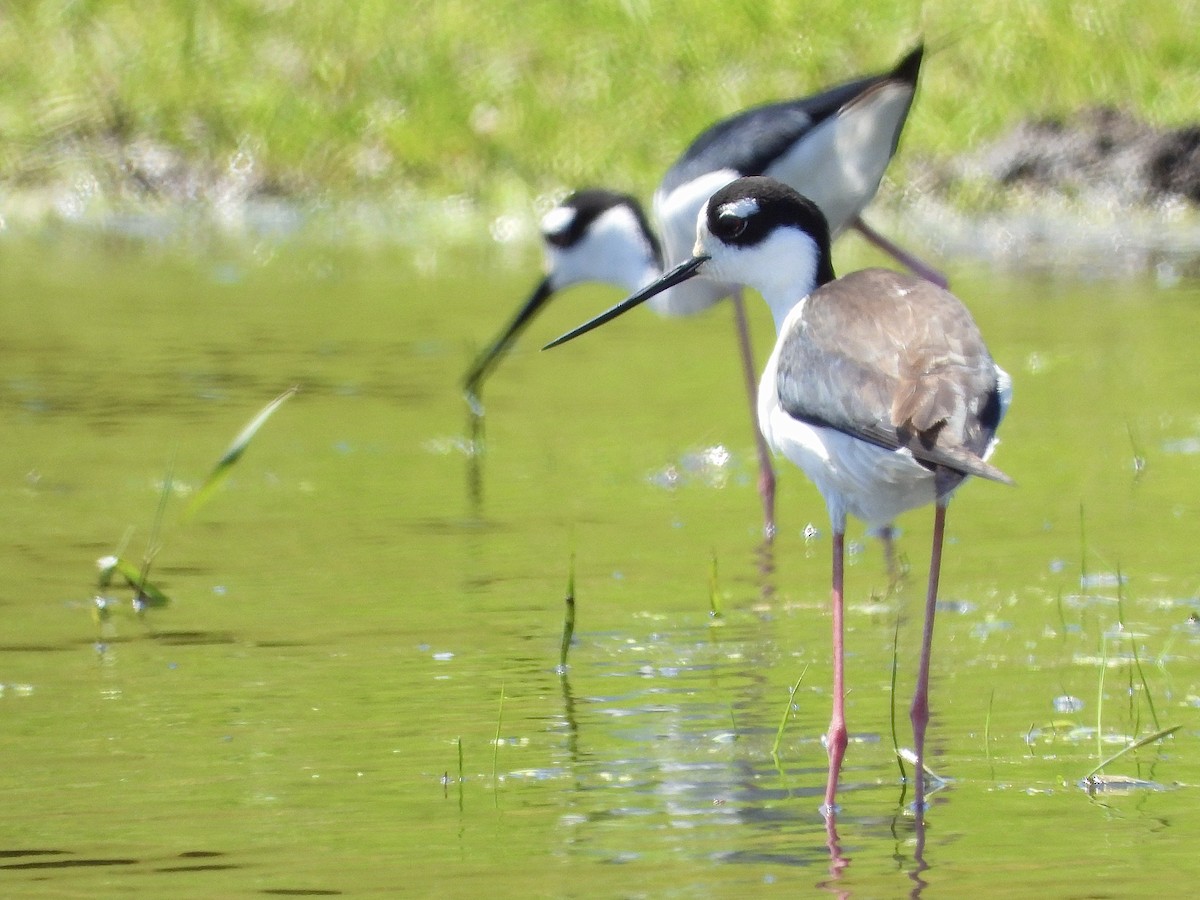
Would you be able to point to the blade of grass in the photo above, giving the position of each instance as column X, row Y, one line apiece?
column 151, row 594
column 1100, row 697
column 787, row 711
column 496, row 742
column 1137, row 660
column 234, row 452
column 714, row 590
column 934, row 776
column 461, row 775
column 892, row 705
column 143, row 598
column 568, row 620
column 1062, row 616
column 1129, row 748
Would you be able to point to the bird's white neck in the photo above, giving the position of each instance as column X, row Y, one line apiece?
column 783, row 268
column 782, row 304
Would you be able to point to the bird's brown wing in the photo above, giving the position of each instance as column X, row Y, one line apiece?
column 898, row 362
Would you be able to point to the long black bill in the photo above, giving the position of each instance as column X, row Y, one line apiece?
column 487, row 360
column 676, row 276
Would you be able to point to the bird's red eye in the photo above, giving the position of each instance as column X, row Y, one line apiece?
column 730, row 225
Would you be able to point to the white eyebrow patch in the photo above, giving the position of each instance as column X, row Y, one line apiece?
column 743, row 207
column 558, row 219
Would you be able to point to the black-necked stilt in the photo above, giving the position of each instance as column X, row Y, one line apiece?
column 832, row 146
column 880, row 387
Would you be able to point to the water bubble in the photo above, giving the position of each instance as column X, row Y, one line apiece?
column 1101, row 580
column 1067, row 704
column 668, row 478
column 1185, row 446
column 507, row 229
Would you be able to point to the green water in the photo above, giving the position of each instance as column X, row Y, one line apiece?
column 351, row 618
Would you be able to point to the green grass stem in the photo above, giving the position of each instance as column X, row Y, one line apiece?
column 1129, row 748
column 787, row 712
column 714, row 589
column 462, row 776
column 496, row 742
column 892, row 704
column 1100, row 697
column 568, row 631
column 1137, row 660
column 235, row 450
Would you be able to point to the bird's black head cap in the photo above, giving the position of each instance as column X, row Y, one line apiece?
column 589, row 204
column 746, row 211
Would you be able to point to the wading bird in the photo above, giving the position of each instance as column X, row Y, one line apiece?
column 832, row 146
column 880, row 388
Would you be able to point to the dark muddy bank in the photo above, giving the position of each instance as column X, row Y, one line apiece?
column 1099, row 194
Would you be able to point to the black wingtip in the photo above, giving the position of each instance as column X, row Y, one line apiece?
column 910, row 66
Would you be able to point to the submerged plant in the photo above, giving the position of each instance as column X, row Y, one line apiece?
column 146, row 594
column 714, row 590
column 234, row 452
column 892, row 704
column 496, row 742
column 1138, row 686
column 568, row 620
column 1095, row 780
column 787, row 713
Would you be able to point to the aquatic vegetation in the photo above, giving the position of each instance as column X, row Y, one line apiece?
column 146, row 594
column 234, row 452
column 568, row 631
column 788, row 712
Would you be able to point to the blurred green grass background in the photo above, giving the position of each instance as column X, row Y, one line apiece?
column 502, row 101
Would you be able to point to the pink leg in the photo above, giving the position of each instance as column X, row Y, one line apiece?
column 836, row 739
column 837, row 861
column 916, row 266
column 920, row 705
column 766, row 472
